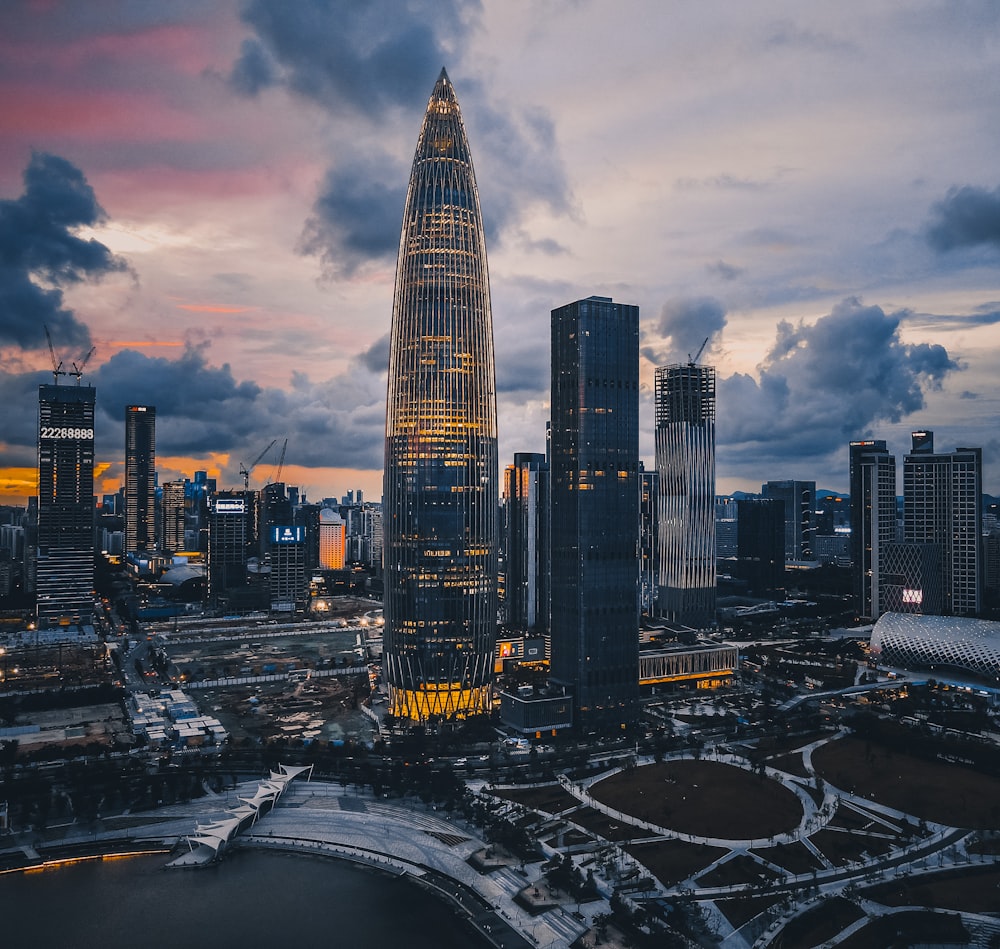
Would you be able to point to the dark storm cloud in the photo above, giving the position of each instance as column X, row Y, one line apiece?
column 357, row 216
column 823, row 384
column 516, row 159
column 986, row 314
column 726, row 271
column 376, row 357
column 349, row 56
column 686, row 323
column 203, row 409
column 523, row 370
column 372, row 63
column 966, row 217
column 40, row 254
column 254, row 70
column 188, row 386
column 20, row 431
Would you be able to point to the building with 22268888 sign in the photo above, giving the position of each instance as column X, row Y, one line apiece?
column 440, row 492
column 64, row 577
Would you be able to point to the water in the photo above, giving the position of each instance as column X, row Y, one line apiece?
column 251, row 899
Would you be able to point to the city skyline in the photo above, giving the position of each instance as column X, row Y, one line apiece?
column 813, row 191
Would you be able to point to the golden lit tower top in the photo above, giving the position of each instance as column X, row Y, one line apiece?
column 440, row 492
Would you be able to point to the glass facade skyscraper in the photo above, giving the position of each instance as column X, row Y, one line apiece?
column 526, row 494
column 65, row 554
column 140, row 478
column 685, row 460
column 594, row 477
column 873, row 522
column 440, row 514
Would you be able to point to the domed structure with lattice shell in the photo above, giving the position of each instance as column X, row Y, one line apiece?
column 912, row 640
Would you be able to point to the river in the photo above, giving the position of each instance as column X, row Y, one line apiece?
column 248, row 900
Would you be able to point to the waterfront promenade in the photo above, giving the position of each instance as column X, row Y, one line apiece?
column 399, row 837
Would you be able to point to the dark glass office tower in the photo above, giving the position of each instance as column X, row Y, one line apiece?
column 228, row 542
column 440, row 514
column 140, row 478
column 65, row 560
column 594, row 471
column 799, row 498
column 873, row 522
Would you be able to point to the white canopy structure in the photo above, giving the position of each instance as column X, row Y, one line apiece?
column 216, row 835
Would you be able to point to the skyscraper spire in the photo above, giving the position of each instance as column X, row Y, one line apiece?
column 440, row 491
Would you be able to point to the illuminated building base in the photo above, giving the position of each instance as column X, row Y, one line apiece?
column 444, row 701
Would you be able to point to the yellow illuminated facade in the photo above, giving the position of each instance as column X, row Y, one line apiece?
column 440, row 493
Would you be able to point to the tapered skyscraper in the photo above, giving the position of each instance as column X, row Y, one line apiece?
column 440, row 491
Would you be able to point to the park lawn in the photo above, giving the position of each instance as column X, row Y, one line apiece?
column 552, row 799
column 902, row 930
column 939, row 791
column 702, row 798
column 671, row 861
column 969, row 891
column 796, row 858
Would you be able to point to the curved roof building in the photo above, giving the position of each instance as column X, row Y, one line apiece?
column 957, row 642
column 440, row 492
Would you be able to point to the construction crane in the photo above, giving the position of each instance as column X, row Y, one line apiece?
column 57, row 366
column 281, row 463
column 701, row 349
column 78, row 370
column 245, row 471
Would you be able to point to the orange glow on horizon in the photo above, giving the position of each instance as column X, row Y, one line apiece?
column 18, row 484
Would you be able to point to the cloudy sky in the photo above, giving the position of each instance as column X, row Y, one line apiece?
column 210, row 194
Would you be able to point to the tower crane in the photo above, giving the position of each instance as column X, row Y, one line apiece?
column 245, row 471
column 78, row 370
column 701, row 349
column 57, row 366
column 281, row 463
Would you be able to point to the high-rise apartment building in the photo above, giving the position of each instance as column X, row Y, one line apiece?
column 331, row 540
column 526, row 582
column 799, row 498
column 594, row 472
column 440, row 515
column 685, row 460
column 942, row 509
column 140, row 478
column 873, row 522
column 64, row 567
